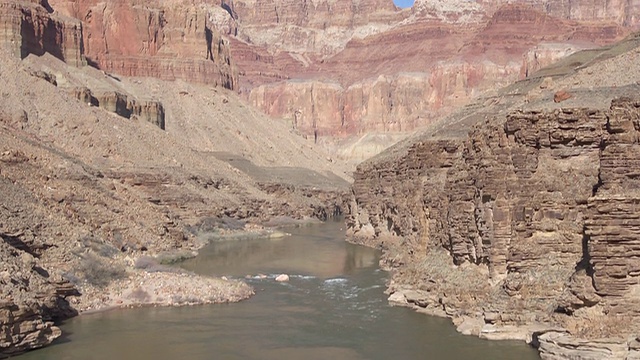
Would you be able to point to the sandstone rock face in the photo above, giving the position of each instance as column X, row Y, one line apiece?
column 436, row 56
column 610, row 225
column 30, row 28
column 142, row 44
column 127, row 106
column 401, row 102
column 557, row 346
column 310, row 28
column 34, row 331
column 164, row 39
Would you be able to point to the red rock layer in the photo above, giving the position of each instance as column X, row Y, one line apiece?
column 457, row 54
column 30, row 28
column 167, row 40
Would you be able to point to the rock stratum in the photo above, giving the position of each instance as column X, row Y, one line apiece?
column 29, row 27
column 331, row 68
column 163, row 39
column 517, row 216
column 364, row 66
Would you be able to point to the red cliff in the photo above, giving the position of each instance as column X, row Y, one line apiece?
column 433, row 57
column 163, row 39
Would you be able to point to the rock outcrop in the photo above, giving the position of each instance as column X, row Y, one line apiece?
column 109, row 94
column 533, row 199
column 30, row 27
column 166, row 40
column 27, row 322
column 528, row 221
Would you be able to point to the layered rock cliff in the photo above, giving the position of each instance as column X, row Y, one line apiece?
column 163, row 39
column 525, row 227
column 368, row 59
column 349, row 68
column 29, row 27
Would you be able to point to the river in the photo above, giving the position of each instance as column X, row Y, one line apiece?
column 334, row 307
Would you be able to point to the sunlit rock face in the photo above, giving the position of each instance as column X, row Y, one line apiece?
column 389, row 69
column 163, row 39
column 434, row 56
column 29, row 27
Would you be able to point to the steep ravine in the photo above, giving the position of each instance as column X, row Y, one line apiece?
column 479, row 228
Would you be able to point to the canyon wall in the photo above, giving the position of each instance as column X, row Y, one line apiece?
column 390, row 70
column 163, row 39
column 388, row 103
column 31, row 28
column 523, row 225
column 315, row 28
column 452, row 51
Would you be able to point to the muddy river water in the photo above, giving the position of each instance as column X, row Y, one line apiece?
column 334, row 307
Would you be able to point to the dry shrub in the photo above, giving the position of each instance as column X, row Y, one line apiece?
column 593, row 323
column 151, row 265
column 98, row 272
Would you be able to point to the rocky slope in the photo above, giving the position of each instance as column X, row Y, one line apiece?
column 103, row 178
column 517, row 216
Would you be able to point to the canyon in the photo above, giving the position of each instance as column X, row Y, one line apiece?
column 341, row 70
column 403, row 69
column 128, row 134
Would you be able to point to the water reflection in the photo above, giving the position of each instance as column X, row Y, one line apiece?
column 308, row 251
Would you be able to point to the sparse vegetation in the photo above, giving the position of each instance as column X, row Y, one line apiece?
column 99, row 246
column 99, row 272
column 151, row 265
